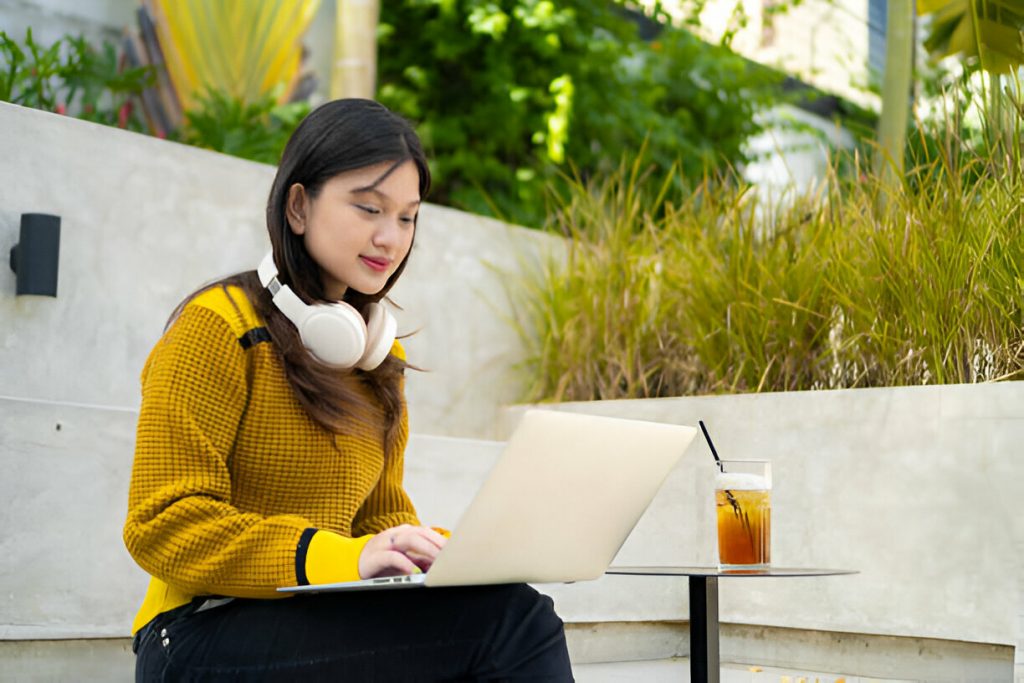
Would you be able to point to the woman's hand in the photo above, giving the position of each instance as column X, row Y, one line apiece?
column 404, row 549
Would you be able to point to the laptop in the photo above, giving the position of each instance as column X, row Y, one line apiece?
column 559, row 503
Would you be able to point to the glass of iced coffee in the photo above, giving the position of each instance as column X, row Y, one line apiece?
column 743, row 490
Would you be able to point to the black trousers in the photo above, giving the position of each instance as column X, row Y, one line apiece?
column 476, row 633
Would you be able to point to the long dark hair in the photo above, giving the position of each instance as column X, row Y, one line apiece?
column 337, row 136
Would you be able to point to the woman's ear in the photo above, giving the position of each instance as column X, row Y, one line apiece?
column 295, row 209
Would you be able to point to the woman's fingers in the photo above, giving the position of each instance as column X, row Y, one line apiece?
column 419, row 538
column 420, row 550
column 403, row 549
column 419, row 544
column 437, row 539
column 380, row 559
column 393, row 563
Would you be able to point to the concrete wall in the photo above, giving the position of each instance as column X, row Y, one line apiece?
column 145, row 222
column 916, row 487
column 936, row 598
column 64, row 571
column 50, row 19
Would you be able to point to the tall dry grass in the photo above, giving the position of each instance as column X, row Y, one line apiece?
column 859, row 283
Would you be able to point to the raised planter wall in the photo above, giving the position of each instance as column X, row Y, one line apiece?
column 145, row 222
column 918, row 488
column 935, row 597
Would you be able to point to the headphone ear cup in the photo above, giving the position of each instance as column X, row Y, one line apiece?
column 381, row 328
column 335, row 334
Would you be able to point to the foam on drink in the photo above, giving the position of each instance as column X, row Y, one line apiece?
column 736, row 481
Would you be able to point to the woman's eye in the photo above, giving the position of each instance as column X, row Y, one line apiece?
column 408, row 219
column 369, row 209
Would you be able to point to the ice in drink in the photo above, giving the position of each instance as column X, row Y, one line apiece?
column 743, row 504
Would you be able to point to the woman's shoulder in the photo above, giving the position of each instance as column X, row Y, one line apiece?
column 231, row 304
column 398, row 350
column 213, row 326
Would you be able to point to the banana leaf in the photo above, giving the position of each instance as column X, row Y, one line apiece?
column 241, row 48
column 989, row 31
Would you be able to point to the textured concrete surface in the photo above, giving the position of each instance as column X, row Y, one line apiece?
column 144, row 222
column 915, row 487
column 66, row 574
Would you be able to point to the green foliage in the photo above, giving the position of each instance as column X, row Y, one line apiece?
column 71, row 76
column 988, row 37
column 508, row 93
column 257, row 131
column 986, row 33
column 668, row 293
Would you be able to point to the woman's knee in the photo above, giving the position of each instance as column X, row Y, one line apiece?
column 536, row 605
column 529, row 643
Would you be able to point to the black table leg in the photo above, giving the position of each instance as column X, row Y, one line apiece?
column 704, row 662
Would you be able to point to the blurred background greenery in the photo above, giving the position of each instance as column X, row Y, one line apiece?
column 513, row 94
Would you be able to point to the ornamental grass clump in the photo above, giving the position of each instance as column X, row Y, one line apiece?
column 857, row 283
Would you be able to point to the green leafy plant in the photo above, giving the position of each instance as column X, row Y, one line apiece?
column 511, row 94
column 71, row 76
column 667, row 292
column 31, row 72
column 988, row 37
column 988, row 31
column 256, row 131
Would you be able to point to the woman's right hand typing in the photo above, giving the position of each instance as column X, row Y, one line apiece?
column 403, row 549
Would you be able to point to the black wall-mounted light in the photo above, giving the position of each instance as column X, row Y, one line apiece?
column 36, row 255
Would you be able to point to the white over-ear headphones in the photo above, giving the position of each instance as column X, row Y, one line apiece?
column 335, row 333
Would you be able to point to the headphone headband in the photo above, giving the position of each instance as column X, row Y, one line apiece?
column 267, row 270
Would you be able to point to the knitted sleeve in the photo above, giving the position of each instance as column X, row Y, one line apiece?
column 388, row 504
column 181, row 527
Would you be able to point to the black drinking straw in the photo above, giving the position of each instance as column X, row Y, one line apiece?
column 707, row 437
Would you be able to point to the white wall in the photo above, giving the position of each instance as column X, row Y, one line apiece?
column 64, row 571
column 50, row 19
column 914, row 487
column 918, row 488
column 145, row 221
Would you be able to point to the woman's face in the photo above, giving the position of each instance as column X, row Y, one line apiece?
column 359, row 227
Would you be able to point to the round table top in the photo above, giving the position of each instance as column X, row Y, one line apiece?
column 714, row 571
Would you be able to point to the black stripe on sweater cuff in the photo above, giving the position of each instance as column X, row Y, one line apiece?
column 300, row 556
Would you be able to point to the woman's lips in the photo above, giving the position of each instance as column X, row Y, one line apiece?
column 380, row 265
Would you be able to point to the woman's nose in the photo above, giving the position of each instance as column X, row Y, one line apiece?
column 387, row 233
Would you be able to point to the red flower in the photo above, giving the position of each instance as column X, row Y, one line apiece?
column 61, row 109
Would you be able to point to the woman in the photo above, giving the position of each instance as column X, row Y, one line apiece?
column 270, row 451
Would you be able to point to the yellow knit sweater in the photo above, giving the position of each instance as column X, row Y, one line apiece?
column 235, row 491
